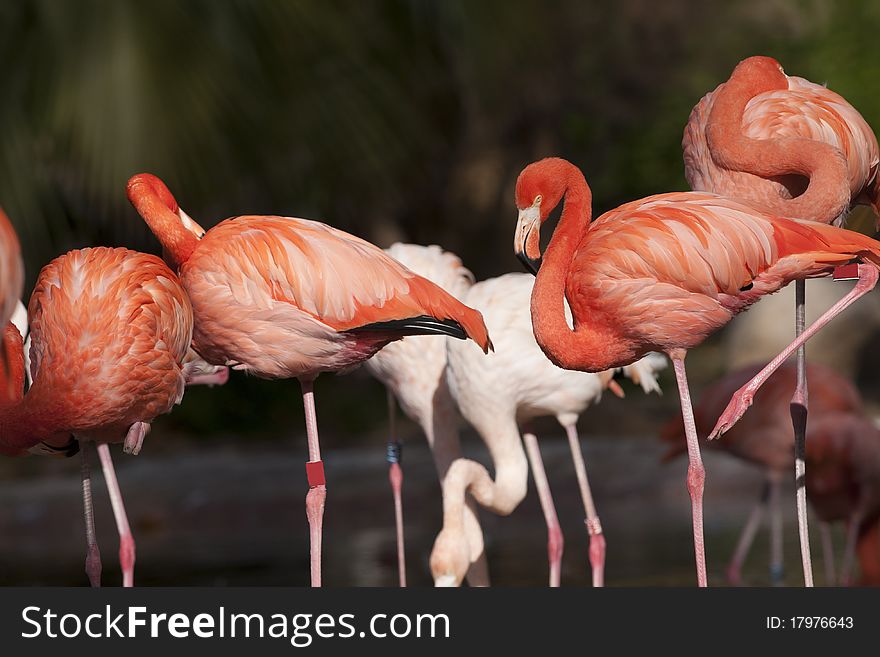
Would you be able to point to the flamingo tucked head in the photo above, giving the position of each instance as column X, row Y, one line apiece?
column 539, row 189
column 760, row 72
column 177, row 232
column 156, row 186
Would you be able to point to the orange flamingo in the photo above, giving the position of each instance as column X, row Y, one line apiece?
column 784, row 145
column 765, row 438
column 11, row 283
column 110, row 329
column 281, row 297
column 661, row 274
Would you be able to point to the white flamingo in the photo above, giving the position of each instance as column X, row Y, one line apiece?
column 414, row 371
column 494, row 396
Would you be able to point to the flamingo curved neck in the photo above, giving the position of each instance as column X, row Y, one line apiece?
column 582, row 349
column 168, row 227
column 827, row 196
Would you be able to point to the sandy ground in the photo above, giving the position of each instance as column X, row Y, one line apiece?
column 233, row 516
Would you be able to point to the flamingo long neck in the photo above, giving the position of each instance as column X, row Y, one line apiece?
column 169, row 228
column 827, row 197
column 582, row 349
column 25, row 420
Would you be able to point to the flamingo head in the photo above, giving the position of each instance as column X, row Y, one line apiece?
column 449, row 559
column 147, row 182
column 153, row 184
column 760, row 74
column 539, row 189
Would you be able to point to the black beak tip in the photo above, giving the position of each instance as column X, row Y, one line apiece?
column 531, row 265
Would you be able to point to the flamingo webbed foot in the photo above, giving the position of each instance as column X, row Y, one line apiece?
column 736, row 408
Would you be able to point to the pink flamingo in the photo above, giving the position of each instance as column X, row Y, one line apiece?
column 765, row 438
column 110, row 329
column 661, row 274
column 791, row 147
column 281, row 297
column 11, row 283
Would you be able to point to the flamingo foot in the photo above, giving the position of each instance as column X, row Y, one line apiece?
column 736, row 408
column 134, row 439
column 218, row 378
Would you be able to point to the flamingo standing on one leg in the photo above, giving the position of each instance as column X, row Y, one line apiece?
column 414, row 372
column 788, row 146
column 109, row 330
column 282, row 297
column 497, row 395
column 662, row 274
column 765, row 438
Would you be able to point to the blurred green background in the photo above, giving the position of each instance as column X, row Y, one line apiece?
column 394, row 120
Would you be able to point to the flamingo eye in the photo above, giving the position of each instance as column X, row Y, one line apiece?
column 538, row 200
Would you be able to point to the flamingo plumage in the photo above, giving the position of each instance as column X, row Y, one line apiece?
column 788, row 146
column 109, row 330
column 766, row 105
column 11, row 283
column 662, row 274
column 281, row 297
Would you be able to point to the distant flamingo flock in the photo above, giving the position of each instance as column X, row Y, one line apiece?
column 110, row 337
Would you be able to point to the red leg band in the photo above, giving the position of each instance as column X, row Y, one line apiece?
column 315, row 473
column 848, row 272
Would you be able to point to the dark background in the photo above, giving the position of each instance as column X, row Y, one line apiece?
column 396, row 120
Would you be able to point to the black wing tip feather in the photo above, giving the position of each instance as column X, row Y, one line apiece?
column 421, row 325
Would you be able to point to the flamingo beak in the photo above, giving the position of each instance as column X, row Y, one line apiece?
column 527, row 238
column 190, row 224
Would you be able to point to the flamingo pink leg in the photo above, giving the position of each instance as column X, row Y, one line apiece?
column 696, row 476
column 747, row 537
column 827, row 553
column 395, row 477
column 126, row 541
column 743, row 397
column 555, row 541
column 594, row 526
column 93, row 556
column 317, row 494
